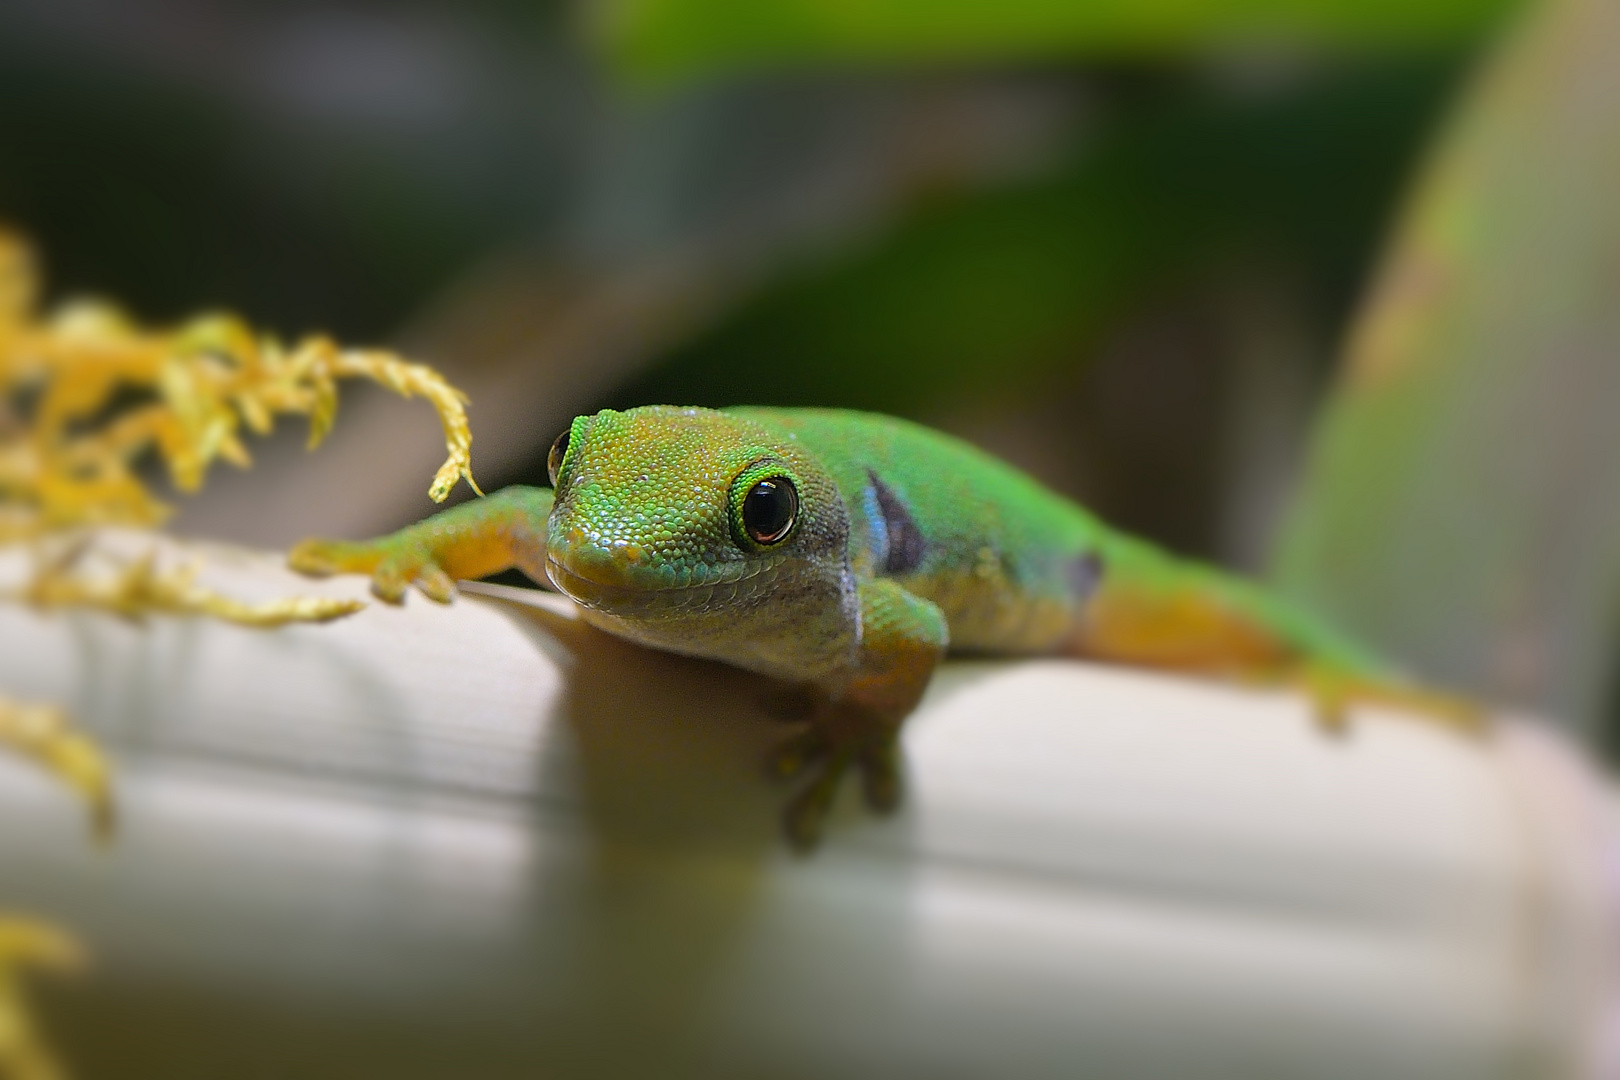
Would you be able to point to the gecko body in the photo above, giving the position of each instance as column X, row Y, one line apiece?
column 849, row 552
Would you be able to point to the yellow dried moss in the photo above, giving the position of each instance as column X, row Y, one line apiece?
column 86, row 397
column 43, row 733
column 102, row 392
column 86, row 394
column 27, row 944
column 139, row 588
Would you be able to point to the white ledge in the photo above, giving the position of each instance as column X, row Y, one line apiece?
column 486, row 840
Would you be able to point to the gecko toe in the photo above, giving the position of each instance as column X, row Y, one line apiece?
column 803, row 823
column 880, row 777
column 388, row 585
column 313, row 557
column 435, row 584
column 805, row 819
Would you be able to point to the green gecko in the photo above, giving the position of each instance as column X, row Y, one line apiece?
column 847, row 552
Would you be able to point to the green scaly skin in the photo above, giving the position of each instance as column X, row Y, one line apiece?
column 906, row 542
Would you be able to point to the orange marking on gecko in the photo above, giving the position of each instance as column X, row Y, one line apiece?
column 1177, row 629
column 480, row 555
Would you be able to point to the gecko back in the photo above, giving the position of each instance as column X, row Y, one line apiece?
column 1018, row 568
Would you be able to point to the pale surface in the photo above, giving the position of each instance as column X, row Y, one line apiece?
column 485, row 840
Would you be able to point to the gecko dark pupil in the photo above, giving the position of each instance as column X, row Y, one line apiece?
column 769, row 510
column 554, row 459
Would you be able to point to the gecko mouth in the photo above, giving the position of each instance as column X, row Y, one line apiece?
column 631, row 600
column 591, row 593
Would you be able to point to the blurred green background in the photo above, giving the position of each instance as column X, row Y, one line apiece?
column 1320, row 289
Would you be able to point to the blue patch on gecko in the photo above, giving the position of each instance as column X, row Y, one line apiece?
column 901, row 546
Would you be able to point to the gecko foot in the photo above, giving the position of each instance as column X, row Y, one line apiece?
column 805, row 819
column 826, row 757
column 880, row 776
column 794, row 755
column 1332, row 697
column 393, row 566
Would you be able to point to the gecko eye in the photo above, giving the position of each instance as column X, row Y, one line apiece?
column 554, row 459
column 770, row 509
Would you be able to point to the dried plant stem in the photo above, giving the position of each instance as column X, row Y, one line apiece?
column 85, row 396
column 140, row 588
column 44, row 734
column 24, row 944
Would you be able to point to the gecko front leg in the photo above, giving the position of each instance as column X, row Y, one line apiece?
column 478, row 538
column 902, row 640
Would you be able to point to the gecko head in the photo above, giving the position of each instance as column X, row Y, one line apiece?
column 664, row 511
